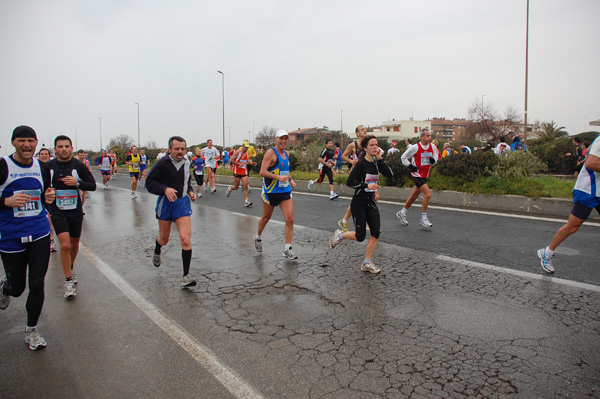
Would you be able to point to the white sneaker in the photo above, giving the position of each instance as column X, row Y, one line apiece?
column 369, row 267
column 199, row 194
column 247, row 203
column 546, row 260
column 288, row 253
column 311, row 183
column 425, row 222
column 187, row 281
column 34, row 339
column 228, row 192
column 333, row 196
column 70, row 289
column 73, row 276
column 4, row 299
column 257, row 243
column 213, row 190
column 402, row 218
column 335, row 239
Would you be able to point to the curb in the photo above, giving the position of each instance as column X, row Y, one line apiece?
column 559, row 207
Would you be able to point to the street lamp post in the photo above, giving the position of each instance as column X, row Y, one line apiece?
column 223, row 95
column 138, row 104
column 526, row 70
column 342, row 121
column 76, row 146
column 100, row 119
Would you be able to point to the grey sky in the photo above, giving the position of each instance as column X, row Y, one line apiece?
column 287, row 64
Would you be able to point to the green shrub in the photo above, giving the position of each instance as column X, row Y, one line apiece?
column 518, row 164
column 400, row 171
column 552, row 152
column 468, row 167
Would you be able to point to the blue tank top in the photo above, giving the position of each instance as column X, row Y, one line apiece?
column 281, row 168
column 31, row 219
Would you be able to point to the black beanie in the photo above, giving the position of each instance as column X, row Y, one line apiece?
column 23, row 131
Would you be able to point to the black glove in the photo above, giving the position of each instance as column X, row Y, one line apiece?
column 412, row 168
column 431, row 161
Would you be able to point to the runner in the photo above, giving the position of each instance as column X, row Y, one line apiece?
column 364, row 179
column 44, row 157
column 198, row 165
column 239, row 165
column 81, row 155
column 354, row 153
column 105, row 162
column 25, row 238
column 69, row 177
column 326, row 164
column 586, row 197
column 423, row 155
column 211, row 156
column 133, row 160
column 143, row 167
column 170, row 179
column 277, row 191
column 113, row 163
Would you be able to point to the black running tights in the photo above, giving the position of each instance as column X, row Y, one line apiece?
column 35, row 258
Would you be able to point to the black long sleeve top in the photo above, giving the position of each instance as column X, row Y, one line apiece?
column 363, row 173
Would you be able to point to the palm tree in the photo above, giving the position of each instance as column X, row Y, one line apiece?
column 551, row 130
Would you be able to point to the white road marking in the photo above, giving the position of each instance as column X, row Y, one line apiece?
column 527, row 275
column 233, row 383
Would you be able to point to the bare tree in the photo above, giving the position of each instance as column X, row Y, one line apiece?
column 511, row 125
column 122, row 141
column 487, row 124
column 151, row 144
column 266, row 135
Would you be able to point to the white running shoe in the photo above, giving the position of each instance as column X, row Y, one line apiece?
column 187, row 281
column 257, row 243
column 34, row 339
column 402, row 218
column 4, row 299
column 311, row 183
column 228, row 192
column 247, row 203
column 133, row 195
column 425, row 222
column 199, row 194
column 335, row 239
column 369, row 267
column 547, row 261
column 333, row 196
column 288, row 253
column 70, row 289
column 343, row 226
column 213, row 190
column 52, row 246
column 73, row 276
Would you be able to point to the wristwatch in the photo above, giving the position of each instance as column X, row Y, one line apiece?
column 77, row 185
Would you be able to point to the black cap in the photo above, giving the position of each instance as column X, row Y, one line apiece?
column 23, row 131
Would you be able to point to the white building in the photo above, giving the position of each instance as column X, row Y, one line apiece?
column 400, row 130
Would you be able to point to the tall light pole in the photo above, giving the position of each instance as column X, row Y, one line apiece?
column 223, row 94
column 526, row 70
column 138, row 104
column 100, row 119
column 342, row 121
column 76, row 146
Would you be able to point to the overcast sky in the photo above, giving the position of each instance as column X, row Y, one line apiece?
column 287, row 64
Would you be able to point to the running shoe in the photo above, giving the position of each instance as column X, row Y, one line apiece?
column 133, row 195
column 249, row 189
column 247, row 203
column 228, row 192
column 425, row 222
column 257, row 243
column 199, row 194
column 156, row 260
column 4, row 299
column 52, row 246
column 333, row 196
column 343, row 226
column 335, row 239
column 187, row 281
column 547, row 261
column 402, row 218
column 369, row 267
column 311, row 183
column 70, row 289
column 34, row 339
column 213, row 190
column 73, row 276
column 144, row 184
column 288, row 253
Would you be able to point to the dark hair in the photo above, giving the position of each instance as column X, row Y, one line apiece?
column 577, row 140
column 175, row 138
column 356, row 130
column 501, row 139
column 44, row 149
column 585, row 143
column 62, row 137
column 337, row 144
column 133, row 146
column 365, row 141
column 327, row 140
column 81, row 152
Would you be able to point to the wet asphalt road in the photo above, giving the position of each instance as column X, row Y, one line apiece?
column 262, row 326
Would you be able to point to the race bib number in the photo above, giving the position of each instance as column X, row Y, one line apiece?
column 136, row 167
column 371, row 179
column 199, row 172
column 33, row 207
column 287, row 182
column 66, row 200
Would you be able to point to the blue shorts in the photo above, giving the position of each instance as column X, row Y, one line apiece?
column 143, row 166
column 105, row 172
column 171, row 211
column 274, row 199
column 339, row 164
column 13, row 245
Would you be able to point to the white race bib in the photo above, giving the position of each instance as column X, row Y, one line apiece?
column 33, row 207
column 66, row 200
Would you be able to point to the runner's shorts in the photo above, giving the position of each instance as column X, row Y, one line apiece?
column 419, row 181
column 135, row 174
column 64, row 225
column 105, row 172
column 581, row 211
column 143, row 166
column 274, row 199
column 171, row 211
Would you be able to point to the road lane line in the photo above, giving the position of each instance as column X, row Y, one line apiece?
column 531, row 276
column 233, row 383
